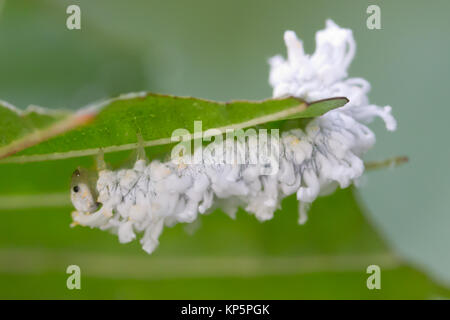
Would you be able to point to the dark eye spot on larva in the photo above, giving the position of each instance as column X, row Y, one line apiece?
column 76, row 189
column 76, row 173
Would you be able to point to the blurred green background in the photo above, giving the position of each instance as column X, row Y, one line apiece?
column 219, row 50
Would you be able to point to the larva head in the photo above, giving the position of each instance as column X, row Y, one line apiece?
column 83, row 192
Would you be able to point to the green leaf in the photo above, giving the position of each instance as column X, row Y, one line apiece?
column 223, row 259
column 216, row 257
column 117, row 123
column 15, row 124
column 20, row 130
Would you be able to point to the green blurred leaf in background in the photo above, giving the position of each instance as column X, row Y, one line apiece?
column 326, row 258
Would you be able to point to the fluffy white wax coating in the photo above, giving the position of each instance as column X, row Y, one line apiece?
column 312, row 162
